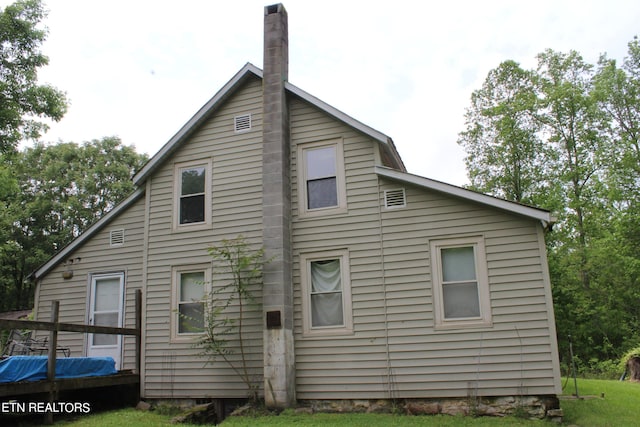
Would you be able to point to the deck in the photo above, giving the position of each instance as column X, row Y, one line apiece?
column 52, row 385
column 65, row 384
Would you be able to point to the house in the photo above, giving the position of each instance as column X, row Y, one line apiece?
column 384, row 284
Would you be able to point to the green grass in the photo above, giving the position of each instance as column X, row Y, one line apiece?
column 374, row 420
column 119, row 418
column 618, row 408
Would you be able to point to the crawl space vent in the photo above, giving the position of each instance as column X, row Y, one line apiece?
column 116, row 237
column 395, row 198
column 242, row 123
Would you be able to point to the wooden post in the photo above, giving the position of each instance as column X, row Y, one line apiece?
column 51, row 361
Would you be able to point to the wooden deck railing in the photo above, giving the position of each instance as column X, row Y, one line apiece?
column 54, row 326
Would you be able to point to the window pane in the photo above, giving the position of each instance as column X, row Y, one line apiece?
column 191, row 318
column 326, row 293
column 192, row 209
column 461, row 300
column 326, row 309
column 191, row 286
column 322, row 193
column 105, row 319
column 325, row 276
column 458, row 264
column 193, row 181
column 107, row 294
column 321, row 162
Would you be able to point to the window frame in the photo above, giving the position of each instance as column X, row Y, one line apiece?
column 482, row 280
column 178, row 168
column 176, row 275
column 341, row 195
column 305, row 280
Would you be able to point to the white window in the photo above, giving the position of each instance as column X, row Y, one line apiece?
column 327, row 292
column 321, row 185
column 190, row 287
column 193, row 194
column 460, row 283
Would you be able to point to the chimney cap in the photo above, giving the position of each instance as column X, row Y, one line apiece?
column 274, row 8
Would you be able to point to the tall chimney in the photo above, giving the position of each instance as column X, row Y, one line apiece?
column 279, row 359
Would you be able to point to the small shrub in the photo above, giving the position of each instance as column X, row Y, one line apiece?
column 633, row 354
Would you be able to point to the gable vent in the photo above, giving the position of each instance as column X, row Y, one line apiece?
column 116, row 237
column 242, row 123
column 395, row 198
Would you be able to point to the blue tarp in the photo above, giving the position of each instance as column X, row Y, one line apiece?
column 34, row 368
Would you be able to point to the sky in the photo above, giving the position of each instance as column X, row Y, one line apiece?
column 140, row 69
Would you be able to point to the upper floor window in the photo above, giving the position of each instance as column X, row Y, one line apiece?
column 193, row 193
column 321, row 178
column 460, row 283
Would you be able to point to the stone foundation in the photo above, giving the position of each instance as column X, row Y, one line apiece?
column 539, row 407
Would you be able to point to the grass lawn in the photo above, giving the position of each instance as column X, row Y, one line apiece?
column 618, row 408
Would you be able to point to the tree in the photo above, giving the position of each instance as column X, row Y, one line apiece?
column 571, row 121
column 22, row 100
column 229, row 306
column 501, row 139
column 584, row 125
column 56, row 192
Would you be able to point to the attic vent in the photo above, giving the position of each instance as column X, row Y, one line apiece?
column 395, row 198
column 116, row 237
column 242, row 123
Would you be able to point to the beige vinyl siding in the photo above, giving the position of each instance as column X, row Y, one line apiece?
column 172, row 368
column 513, row 356
column 344, row 366
column 395, row 351
column 97, row 256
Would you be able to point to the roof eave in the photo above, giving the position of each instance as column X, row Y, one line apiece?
column 542, row 215
column 195, row 121
column 377, row 136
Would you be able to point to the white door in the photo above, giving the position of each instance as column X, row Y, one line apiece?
column 105, row 309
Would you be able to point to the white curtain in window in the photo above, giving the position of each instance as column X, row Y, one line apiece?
column 190, row 307
column 326, row 293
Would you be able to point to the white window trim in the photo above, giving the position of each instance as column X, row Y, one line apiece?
column 305, row 281
column 303, row 210
column 482, row 278
column 177, row 190
column 175, row 297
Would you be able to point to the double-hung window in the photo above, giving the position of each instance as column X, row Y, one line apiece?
column 460, row 283
column 327, row 292
column 193, row 193
column 189, row 292
column 321, row 178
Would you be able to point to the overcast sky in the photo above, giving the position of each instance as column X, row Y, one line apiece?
column 140, row 69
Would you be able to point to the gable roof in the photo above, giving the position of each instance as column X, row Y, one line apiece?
column 542, row 215
column 248, row 71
